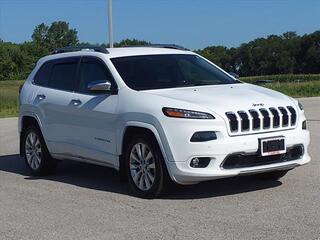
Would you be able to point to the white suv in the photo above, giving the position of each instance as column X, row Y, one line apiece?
column 157, row 114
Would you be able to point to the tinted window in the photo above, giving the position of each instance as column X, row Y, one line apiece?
column 43, row 75
column 92, row 69
column 168, row 71
column 63, row 74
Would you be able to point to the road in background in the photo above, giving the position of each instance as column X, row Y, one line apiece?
column 83, row 201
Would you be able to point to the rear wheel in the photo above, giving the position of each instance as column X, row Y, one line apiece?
column 145, row 167
column 36, row 154
column 276, row 175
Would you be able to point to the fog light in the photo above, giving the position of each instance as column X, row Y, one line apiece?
column 194, row 162
column 200, row 162
column 304, row 124
column 203, row 136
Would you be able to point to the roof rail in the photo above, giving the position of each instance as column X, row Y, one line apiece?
column 172, row 46
column 80, row 48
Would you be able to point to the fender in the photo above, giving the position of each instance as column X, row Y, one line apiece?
column 28, row 114
column 142, row 125
column 20, row 127
column 167, row 156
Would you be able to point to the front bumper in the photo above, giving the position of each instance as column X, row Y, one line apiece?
column 182, row 173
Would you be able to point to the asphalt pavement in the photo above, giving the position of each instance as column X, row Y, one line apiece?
column 83, row 201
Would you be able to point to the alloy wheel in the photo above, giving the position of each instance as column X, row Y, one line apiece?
column 142, row 166
column 33, row 150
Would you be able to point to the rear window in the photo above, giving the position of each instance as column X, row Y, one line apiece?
column 168, row 71
column 58, row 74
column 63, row 76
column 43, row 75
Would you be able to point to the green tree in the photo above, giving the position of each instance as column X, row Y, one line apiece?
column 310, row 53
column 131, row 42
column 57, row 35
column 219, row 55
column 40, row 33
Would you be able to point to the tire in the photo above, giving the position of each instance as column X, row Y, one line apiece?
column 37, row 157
column 273, row 176
column 147, row 174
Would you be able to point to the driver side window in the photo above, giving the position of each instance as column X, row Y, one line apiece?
column 92, row 69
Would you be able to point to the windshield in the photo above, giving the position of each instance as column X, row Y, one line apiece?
column 168, row 71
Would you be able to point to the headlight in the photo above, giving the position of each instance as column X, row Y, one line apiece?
column 182, row 113
column 300, row 106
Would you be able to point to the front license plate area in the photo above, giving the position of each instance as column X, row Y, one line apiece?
column 272, row 146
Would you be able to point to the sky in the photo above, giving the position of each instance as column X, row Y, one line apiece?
column 191, row 23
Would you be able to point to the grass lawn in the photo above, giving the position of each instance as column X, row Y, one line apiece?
column 9, row 90
column 296, row 89
column 9, row 101
column 284, row 78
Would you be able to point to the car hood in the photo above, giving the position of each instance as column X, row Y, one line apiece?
column 228, row 97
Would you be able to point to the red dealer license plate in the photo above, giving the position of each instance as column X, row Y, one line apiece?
column 272, row 146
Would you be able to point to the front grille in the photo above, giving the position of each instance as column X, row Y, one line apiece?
column 263, row 119
column 242, row 160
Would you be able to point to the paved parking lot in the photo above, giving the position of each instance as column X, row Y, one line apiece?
column 83, row 201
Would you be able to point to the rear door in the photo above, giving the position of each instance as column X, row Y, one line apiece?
column 55, row 101
column 95, row 118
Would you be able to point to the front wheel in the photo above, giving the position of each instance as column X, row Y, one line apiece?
column 145, row 167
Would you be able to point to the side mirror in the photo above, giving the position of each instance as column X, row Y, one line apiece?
column 236, row 76
column 99, row 86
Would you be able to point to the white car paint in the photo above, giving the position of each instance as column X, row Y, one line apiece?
column 93, row 132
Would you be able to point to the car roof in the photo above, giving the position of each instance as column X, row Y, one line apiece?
column 117, row 52
column 134, row 51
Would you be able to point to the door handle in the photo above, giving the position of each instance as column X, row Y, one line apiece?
column 41, row 96
column 75, row 102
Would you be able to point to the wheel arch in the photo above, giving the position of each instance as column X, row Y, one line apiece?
column 25, row 121
column 133, row 128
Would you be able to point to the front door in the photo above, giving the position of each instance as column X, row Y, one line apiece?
column 95, row 116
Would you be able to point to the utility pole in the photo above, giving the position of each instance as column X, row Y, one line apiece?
column 110, row 24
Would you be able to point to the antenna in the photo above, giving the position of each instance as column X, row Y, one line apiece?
column 110, row 24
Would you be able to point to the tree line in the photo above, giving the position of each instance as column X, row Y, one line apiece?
column 287, row 53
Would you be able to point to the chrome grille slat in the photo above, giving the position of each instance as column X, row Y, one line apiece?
column 276, row 117
column 255, row 119
column 261, row 120
column 244, row 119
column 285, row 117
column 233, row 121
column 266, row 118
column 293, row 116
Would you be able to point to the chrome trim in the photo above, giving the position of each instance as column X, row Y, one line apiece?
column 100, row 85
column 274, row 110
column 232, row 120
column 257, row 118
column 282, row 167
column 241, row 113
column 284, row 114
